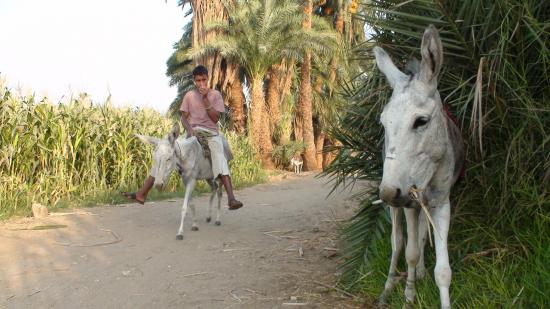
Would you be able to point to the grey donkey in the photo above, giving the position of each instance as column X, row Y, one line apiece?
column 423, row 153
column 187, row 157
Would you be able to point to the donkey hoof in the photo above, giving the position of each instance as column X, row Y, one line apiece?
column 408, row 306
column 410, row 293
column 218, row 223
column 383, row 300
column 179, row 237
column 194, row 228
column 208, row 219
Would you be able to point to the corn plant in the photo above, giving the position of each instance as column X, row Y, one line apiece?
column 80, row 150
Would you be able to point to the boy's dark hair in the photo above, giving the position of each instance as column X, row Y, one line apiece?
column 200, row 70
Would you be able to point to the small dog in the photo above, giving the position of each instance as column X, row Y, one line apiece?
column 297, row 164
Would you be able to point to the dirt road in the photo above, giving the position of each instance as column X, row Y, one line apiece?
column 278, row 251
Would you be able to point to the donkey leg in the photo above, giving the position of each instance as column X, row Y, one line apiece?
column 411, row 253
column 194, row 226
column 218, row 211
column 423, row 236
column 213, row 187
column 441, row 217
column 396, row 246
column 188, row 190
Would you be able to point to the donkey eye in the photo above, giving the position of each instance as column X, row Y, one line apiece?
column 420, row 122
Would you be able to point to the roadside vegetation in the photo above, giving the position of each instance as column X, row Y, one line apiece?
column 84, row 153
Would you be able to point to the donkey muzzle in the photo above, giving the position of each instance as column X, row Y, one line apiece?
column 389, row 194
column 395, row 197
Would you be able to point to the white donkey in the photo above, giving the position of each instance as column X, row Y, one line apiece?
column 297, row 163
column 187, row 156
column 423, row 152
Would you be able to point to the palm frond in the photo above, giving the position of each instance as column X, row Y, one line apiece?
column 498, row 49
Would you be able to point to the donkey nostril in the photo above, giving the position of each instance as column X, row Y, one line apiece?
column 387, row 194
column 397, row 193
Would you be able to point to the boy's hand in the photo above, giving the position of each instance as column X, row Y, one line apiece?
column 203, row 91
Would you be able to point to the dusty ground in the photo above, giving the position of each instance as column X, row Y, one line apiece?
column 276, row 252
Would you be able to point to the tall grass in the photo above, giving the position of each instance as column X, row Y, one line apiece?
column 495, row 79
column 78, row 151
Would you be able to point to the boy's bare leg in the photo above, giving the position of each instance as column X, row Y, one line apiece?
column 232, row 202
column 141, row 195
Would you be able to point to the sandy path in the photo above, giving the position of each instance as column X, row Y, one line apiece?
column 235, row 265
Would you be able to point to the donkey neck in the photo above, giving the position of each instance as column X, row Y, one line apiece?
column 191, row 158
column 450, row 165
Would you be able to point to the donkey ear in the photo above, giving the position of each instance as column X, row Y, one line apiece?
column 148, row 139
column 432, row 56
column 174, row 134
column 387, row 67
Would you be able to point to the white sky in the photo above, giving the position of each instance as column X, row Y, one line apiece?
column 59, row 47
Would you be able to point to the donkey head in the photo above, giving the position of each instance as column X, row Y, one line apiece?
column 164, row 156
column 414, row 124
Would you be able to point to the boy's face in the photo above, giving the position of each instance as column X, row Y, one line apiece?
column 201, row 81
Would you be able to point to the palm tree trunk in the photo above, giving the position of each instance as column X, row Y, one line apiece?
column 278, row 87
column 329, row 154
column 204, row 11
column 287, row 109
column 305, row 103
column 319, row 144
column 286, row 121
column 298, row 125
column 259, row 131
column 273, row 96
column 223, row 74
column 236, row 103
column 339, row 26
column 318, row 126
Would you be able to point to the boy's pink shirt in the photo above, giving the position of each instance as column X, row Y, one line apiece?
column 198, row 116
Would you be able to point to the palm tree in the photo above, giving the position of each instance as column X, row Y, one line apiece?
column 279, row 83
column 326, row 102
column 236, row 100
column 305, row 109
column 259, row 35
column 203, row 11
column 224, row 74
column 178, row 68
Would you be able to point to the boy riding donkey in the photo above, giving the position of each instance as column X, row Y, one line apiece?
column 200, row 111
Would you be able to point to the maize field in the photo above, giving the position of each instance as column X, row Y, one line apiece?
column 68, row 153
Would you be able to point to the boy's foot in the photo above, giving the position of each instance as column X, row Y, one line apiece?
column 234, row 204
column 132, row 196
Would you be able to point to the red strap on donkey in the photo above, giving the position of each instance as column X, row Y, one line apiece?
column 455, row 120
